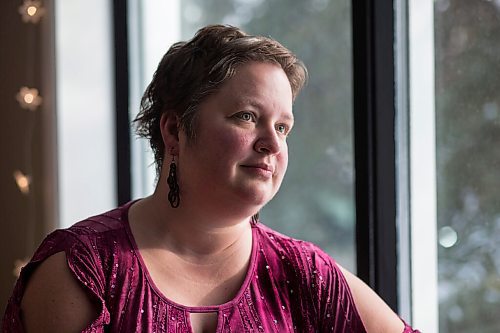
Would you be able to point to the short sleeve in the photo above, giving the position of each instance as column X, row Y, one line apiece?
column 336, row 309
column 85, row 265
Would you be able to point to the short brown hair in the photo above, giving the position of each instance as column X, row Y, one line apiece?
column 190, row 71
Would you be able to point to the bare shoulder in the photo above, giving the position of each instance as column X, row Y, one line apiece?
column 54, row 301
column 376, row 315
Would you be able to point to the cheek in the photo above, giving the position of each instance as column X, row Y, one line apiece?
column 283, row 158
column 232, row 143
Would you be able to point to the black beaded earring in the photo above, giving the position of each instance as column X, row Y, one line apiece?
column 173, row 195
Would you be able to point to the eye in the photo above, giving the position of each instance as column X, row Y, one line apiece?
column 282, row 128
column 245, row 116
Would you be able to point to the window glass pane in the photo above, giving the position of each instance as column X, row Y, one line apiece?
column 316, row 201
column 467, row 51
column 85, row 109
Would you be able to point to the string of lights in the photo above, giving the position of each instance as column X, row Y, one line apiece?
column 29, row 99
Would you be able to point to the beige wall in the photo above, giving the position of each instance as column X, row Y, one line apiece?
column 27, row 139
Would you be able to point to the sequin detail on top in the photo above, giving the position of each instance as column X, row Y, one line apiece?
column 291, row 285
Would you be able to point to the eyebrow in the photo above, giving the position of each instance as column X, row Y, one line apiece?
column 256, row 104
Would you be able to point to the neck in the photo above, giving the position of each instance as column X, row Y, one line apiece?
column 190, row 233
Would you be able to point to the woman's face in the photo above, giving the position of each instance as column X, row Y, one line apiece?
column 240, row 155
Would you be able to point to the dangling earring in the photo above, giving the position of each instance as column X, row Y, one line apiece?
column 173, row 194
column 255, row 218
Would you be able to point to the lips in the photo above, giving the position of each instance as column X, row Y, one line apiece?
column 261, row 166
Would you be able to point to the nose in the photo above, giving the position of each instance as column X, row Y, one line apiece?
column 268, row 142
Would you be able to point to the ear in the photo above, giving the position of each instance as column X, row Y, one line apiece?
column 169, row 126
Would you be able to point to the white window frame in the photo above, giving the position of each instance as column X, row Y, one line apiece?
column 423, row 167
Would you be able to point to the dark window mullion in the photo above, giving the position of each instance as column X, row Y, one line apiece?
column 374, row 145
column 122, row 120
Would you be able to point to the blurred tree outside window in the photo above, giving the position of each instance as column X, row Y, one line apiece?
column 316, row 200
column 467, row 51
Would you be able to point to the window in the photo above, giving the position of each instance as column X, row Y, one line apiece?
column 455, row 124
column 443, row 112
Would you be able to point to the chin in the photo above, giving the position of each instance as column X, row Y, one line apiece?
column 258, row 199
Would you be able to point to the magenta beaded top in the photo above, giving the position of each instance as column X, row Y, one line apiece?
column 290, row 286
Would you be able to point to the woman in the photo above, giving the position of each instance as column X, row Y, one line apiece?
column 193, row 257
